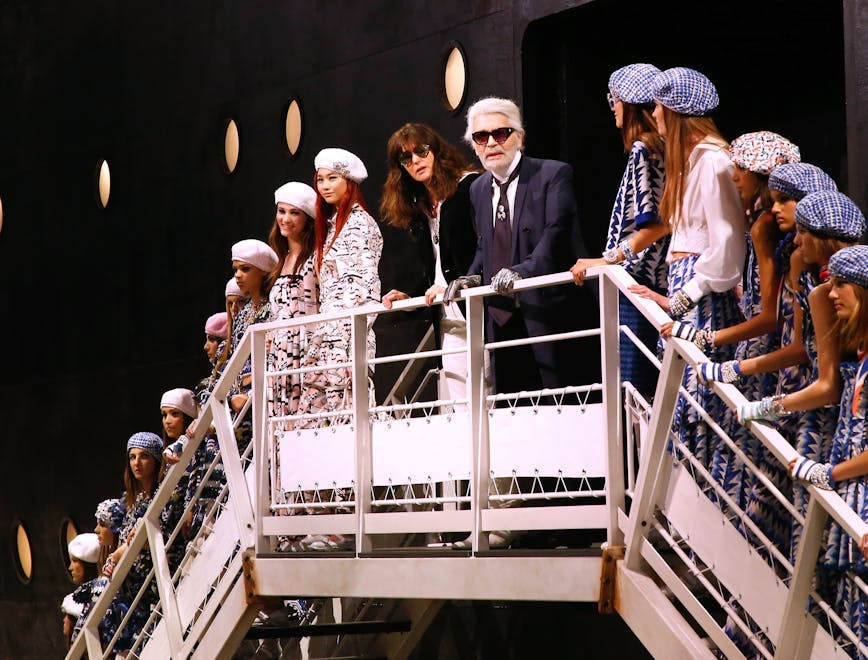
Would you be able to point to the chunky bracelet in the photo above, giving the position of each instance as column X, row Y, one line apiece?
column 776, row 406
column 679, row 304
column 704, row 340
column 610, row 256
column 729, row 371
column 624, row 246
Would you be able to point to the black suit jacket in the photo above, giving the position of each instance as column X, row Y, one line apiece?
column 546, row 238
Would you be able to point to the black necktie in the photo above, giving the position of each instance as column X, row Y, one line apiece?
column 501, row 253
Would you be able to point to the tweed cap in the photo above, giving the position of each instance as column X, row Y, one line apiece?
column 632, row 83
column 111, row 514
column 763, row 151
column 685, row 91
column 832, row 214
column 344, row 162
column 217, row 325
column 150, row 442
column 800, row 179
column 256, row 253
column 85, row 547
column 181, row 399
column 297, row 194
column 851, row 264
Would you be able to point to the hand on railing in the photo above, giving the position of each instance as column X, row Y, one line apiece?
column 580, row 268
column 703, row 339
column 806, row 471
column 463, row 282
column 504, row 280
column 650, row 294
column 719, row 372
column 766, row 409
column 433, row 291
column 393, row 296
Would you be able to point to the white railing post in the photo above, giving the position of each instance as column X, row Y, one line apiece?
column 239, row 493
column 478, row 407
column 654, row 455
column 610, row 360
column 261, row 442
column 362, row 420
column 163, row 577
column 795, row 613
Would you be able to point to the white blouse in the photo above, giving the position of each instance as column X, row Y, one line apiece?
column 710, row 222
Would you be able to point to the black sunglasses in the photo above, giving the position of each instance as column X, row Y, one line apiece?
column 500, row 135
column 420, row 150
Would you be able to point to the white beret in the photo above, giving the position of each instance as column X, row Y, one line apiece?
column 256, row 253
column 344, row 162
column 70, row 607
column 233, row 290
column 297, row 194
column 180, row 399
column 85, row 547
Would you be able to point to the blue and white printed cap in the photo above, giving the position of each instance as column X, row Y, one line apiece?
column 799, row 179
column 344, row 162
column 632, row 83
column 111, row 514
column 851, row 264
column 150, row 442
column 181, row 399
column 685, row 91
column 256, row 253
column 763, row 151
column 297, row 194
column 831, row 214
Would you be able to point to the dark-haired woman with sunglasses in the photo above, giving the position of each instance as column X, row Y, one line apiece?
column 427, row 194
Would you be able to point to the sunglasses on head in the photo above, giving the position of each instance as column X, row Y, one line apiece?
column 420, row 150
column 500, row 135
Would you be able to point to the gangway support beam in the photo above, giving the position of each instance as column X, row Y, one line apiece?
column 445, row 578
column 654, row 619
column 611, row 555
column 399, row 646
column 229, row 626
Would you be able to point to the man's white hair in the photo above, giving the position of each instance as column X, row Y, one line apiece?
column 489, row 106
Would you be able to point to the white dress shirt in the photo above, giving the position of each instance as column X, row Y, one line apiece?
column 710, row 221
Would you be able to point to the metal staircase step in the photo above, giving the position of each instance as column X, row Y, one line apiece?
column 322, row 629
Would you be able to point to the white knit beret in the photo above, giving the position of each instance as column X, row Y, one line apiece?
column 180, row 399
column 256, row 253
column 297, row 194
column 85, row 547
column 344, row 162
column 233, row 290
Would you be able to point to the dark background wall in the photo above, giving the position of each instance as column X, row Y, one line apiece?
column 103, row 309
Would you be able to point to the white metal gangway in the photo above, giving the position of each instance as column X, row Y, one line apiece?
column 432, row 467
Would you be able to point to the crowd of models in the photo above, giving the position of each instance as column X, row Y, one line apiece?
column 755, row 256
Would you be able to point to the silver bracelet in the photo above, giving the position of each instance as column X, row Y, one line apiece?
column 625, row 248
column 610, row 256
column 776, row 406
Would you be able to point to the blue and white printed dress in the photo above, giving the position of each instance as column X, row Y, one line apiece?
column 636, row 207
column 841, row 553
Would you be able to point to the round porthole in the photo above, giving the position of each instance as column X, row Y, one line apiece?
column 454, row 76
column 68, row 531
column 22, row 554
column 293, row 126
column 231, row 146
column 103, row 183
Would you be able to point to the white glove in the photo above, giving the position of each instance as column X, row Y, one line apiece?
column 810, row 472
column 721, row 372
column 757, row 410
column 504, row 280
